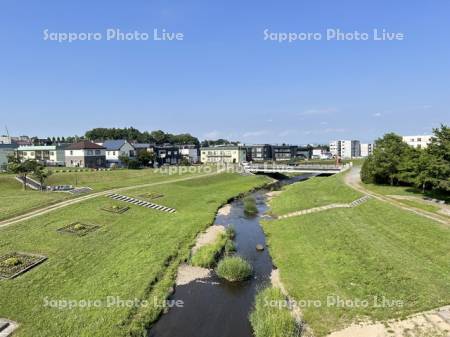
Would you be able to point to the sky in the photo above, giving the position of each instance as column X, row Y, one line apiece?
column 226, row 78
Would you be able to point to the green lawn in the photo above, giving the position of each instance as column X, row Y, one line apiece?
column 405, row 190
column 371, row 250
column 15, row 201
column 133, row 255
column 317, row 191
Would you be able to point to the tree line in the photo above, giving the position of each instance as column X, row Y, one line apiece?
column 394, row 162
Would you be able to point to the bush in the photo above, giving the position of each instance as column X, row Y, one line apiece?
column 229, row 247
column 271, row 320
column 234, row 268
column 11, row 262
column 230, row 232
column 250, row 206
column 79, row 227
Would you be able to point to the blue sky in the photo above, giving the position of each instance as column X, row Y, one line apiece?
column 224, row 79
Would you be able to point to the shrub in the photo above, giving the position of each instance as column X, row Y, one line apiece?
column 230, row 232
column 234, row 268
column 250, row 206
column 229, row 247
column 271, row 320
column 79, row 227
column 11, row 262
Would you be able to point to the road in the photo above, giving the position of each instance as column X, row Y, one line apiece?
column 62, row 204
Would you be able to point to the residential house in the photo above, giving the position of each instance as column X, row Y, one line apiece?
column 223, row 154
column 50, row 155
column 166, row 154
column 85, row 154
column 115, row 149
column 5, row 151
column 190, row 153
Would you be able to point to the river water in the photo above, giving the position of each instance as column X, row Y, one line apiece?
column 214, row 307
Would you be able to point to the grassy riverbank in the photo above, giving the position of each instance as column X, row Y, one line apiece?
column 15, row 201
column 133, row 255
column 317, row 191
column 369, row 252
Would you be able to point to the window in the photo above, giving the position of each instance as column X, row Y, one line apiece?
column 97, row 152
column 114, row 153
column 89, row 152
column 71, row 153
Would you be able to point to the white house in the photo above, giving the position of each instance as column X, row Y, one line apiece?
column 223, row 154
column 85, row 154
column 320, row 153
column 115, row 149
column 418, row 142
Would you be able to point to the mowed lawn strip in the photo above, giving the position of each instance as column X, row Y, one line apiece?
column 15, row 201
column 315, row 192
column 121, row 259
column 373, row 250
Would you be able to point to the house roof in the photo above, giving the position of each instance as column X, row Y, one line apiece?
column 112, row 145
column 141, row 145
column 84, row 144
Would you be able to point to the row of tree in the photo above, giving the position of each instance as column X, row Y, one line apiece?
column 132, row 134
column 396, row 163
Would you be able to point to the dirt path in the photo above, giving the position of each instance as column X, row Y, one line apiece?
column 70, row 202
column 352, row 178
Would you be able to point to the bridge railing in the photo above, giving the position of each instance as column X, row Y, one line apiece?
column 284, row 167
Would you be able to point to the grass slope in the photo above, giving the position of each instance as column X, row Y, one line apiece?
column 372, row 250
column 15, row 201
column 317, row 191
column 133, row 255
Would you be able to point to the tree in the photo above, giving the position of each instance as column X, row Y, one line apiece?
column 386, row 162
column 145, row 158
column 22, row 169
column 42, row 174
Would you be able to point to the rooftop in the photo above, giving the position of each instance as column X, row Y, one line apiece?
column 85, row 144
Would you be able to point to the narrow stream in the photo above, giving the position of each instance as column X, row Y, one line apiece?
column 214, row 307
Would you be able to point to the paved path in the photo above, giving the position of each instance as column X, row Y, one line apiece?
column 353, row 179
column 324, row 208
column 70, row 202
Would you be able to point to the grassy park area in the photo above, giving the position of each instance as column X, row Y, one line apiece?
column 128, row 256
column 372, row 251
column 15, row 201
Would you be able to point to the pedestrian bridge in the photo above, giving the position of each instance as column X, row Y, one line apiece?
column 301, row 168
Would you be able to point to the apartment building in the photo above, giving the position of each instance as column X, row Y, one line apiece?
column 284, row 152
column 223, row 154
column 52, row 155
column 190, row 153
column 418, row 142
column 259, row 152
column 345, row 149
column 366, row 149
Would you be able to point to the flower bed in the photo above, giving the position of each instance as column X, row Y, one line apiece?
column 78, row 228
column 14, row 264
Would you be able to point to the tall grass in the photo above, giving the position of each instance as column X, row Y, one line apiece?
column 250, row 206
column 234, row 268
column 206, row 256
column 271, row 317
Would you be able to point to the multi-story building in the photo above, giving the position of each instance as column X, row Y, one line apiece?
column 284, row 152
column 345, row 149
column 223, row 154
column 5, row 151
column 52, row 155
column 321, row 153
column 418, row 142
column 166, row 154
column 366, row 149
column 304, row 152
column 115, row 149
column 190, row 153
column 5, row 139
column 259, row 152
column 85, row 154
